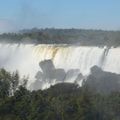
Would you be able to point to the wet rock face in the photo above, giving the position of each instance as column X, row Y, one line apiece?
column 50, row 72
column 46, row 66
column 103, row 82
column 50, row 75
column 99, row 80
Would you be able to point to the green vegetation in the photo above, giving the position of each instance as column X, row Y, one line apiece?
column 64, row 36
column 64, row 101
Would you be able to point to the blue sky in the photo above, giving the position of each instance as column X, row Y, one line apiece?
column 88, row 14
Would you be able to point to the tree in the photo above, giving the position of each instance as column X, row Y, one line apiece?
column 5, row 78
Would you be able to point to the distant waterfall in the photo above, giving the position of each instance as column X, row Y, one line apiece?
column 26, row 58
column 103, row 57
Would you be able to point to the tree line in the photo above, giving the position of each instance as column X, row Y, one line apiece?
column 63, row 101
column 63, row 36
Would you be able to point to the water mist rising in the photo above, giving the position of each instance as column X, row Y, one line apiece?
column 26, row 58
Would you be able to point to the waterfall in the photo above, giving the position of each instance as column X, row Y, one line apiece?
column 26, row 58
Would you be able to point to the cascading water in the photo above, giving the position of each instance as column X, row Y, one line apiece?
column 26, row 58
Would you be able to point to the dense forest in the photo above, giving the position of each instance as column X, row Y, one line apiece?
column 63, row 101
column 64, row 36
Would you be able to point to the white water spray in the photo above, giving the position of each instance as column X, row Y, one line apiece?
column 26, row 58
